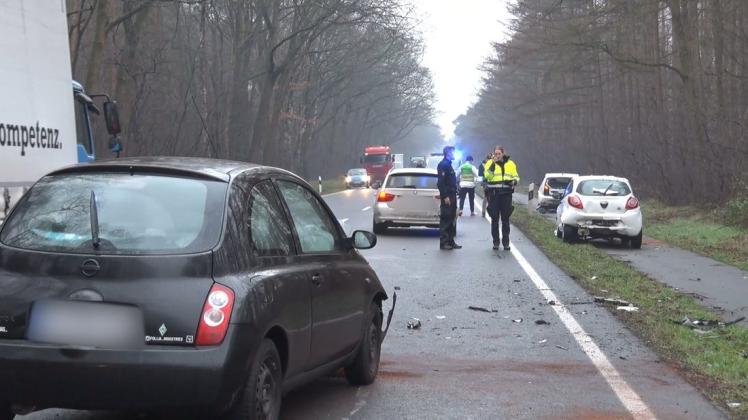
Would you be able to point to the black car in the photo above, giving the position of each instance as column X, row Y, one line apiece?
column 161, row 284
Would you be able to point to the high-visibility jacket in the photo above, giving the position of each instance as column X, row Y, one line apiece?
column 502, row 176
column 468, row 175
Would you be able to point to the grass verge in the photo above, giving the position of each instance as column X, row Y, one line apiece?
column 700, row 231
column 714, row 362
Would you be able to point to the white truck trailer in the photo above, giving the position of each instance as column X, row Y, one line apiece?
column 44, row 114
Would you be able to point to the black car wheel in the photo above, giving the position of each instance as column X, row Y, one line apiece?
column 364, row 369
column 636, row 241
column 569, row 234
column 261, row 398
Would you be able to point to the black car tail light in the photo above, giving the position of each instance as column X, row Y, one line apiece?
column 214, row 320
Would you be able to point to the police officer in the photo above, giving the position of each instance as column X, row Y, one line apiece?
column 447, row 184
column 501, row 177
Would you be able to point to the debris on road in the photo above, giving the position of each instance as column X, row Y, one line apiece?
column 518, row 320
column 562, row 347
column 440, row 317
column 542, row 322
column 397, row 287
column 630, row 308
column 617, row 302
column 414, row 324
column 551, row 302
column 734, row 321
column 517, row 280
column 699, row 323
column 482, row 309
column 543, row 341
column 581, row 303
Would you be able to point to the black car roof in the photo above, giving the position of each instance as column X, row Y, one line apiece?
column 217, row 169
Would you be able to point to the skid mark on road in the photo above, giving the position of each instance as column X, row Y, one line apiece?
column 628, row 397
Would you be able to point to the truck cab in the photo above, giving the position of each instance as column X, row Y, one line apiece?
column 378, row 161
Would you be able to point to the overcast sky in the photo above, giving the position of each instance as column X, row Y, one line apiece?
column 458, row 35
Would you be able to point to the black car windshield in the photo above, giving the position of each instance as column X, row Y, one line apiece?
column 558, row 183
column 136, row 214
column 412, row 180
column 355, row 172
column 603, row 187
column 376, row 158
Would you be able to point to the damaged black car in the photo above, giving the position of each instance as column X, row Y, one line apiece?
column 176, row 284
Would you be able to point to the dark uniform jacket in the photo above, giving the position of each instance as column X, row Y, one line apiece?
column 447, row 180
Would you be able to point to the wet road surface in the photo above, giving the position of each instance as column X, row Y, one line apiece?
column 464, row 363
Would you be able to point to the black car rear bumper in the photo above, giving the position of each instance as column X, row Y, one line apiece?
column 151, row 378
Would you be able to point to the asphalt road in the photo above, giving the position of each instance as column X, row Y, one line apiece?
column 464, row 363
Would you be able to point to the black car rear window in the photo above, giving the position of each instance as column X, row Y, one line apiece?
column 603, row 187
column 137, row 214
column 558, row 183
column 412, row 180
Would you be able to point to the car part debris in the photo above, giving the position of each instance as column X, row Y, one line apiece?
column 706, row 323
column 562, row 347
column 518, row 320
column 482, row 309
column 735, row 321
column 414, row 324
column 629, row 308
column 551, row 302
column 543, row 341
column 617, row 302
column 593, row 278
column 734, row 405
column 389, row 315
column 440, row 317
column 542, row 322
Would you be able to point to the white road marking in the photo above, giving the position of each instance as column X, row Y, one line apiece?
column 336, row 193
column 628, row 397
column 367, row 208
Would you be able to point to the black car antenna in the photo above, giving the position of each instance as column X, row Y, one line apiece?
column 94, row 221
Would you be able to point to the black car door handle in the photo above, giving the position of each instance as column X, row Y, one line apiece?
column 316, row 279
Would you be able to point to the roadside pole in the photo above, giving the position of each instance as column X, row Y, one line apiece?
column 531, row 199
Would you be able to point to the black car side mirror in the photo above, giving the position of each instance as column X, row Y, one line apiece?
column 111, row 116
column 362, row 239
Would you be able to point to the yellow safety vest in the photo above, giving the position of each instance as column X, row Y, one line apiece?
column 499, row 177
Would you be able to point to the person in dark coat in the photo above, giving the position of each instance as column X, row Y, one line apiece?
column 447, row 184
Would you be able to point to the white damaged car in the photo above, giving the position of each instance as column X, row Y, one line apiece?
column 599, row 206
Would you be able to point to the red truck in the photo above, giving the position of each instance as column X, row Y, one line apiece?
column 377, row 160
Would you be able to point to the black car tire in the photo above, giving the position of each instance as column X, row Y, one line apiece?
column 636, row 241
column 380, row 228
column 569, row 234
column 5, row 412
column 364, row 369
column 261, row 398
